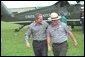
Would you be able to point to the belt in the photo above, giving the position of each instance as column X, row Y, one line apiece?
column 39, row 40
column 60, row 43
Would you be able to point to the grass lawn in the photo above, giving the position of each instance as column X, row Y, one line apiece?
column 13, row 43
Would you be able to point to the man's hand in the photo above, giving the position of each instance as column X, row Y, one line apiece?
column 76, row 44
column 27, row 45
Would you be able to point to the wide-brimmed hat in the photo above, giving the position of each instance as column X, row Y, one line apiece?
column 54, row 16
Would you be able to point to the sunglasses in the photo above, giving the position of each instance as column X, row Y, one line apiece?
column 54, row 17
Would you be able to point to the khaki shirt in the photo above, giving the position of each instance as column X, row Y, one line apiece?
column 58, row 34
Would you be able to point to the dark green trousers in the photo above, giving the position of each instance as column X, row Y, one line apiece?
column 60, row 49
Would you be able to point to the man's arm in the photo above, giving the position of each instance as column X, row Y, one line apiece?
column 48, row 41
column 73, row 38
column 27, row 35
column 68, row 30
